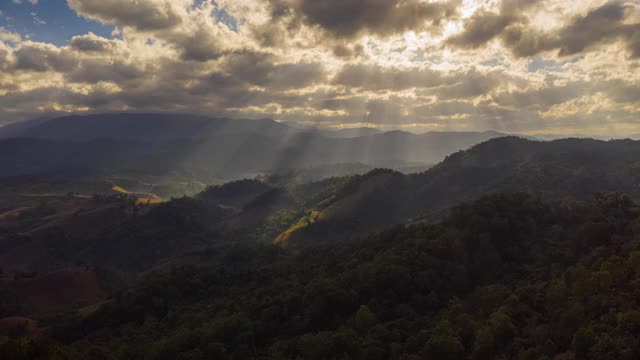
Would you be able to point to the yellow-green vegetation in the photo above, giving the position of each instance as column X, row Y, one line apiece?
column 310, row 218
column 141, row 197
column 119, row 189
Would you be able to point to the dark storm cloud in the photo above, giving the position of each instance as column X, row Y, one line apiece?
column 296, row 75
column 480, row 29
column 41, row 57
column 344, row 52
column 253, row 79
column 260, row 69
column 348, row 18
column 43, row 97
column 484, row 26
column 249, row 67
column 91, row 71
column 200, row 45
column 160, row 18
column 525, row 42
column 603, row 24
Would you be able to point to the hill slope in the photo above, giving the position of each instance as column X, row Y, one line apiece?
column 508, row 276
column 571, row 168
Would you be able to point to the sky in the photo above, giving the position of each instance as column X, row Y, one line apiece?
column 519, row 66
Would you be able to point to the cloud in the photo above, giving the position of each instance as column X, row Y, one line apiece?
column 470, row 84
column 445, row 108
column 92, row 71
column 296, row 75
column 582, row 33
column 484, row 26
column 8, row 36
column 40, row 57
column 37, row 20
column 200, row 46
column 374, row 78
column 480, row 29
column 349, row 18
column 602, row 24
column 411, row 64
column 92, row 43
column 241, row 71
column 543, row 98
column 143, row 15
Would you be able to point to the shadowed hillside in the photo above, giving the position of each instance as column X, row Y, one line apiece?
column 507, row 276
column 571, row 168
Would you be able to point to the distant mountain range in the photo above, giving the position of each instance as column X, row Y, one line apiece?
column 227, row 148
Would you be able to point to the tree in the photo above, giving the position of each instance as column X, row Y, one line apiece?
column 483, row 348
column 582, row 342
column 364, row 319
column 444, row 343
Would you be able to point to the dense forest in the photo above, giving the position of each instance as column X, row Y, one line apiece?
column 507, row 276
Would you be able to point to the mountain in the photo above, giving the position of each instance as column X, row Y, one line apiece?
column 19, row 128
column 513, row 248
column 140, row 127
column 222, row 148
column 351, row 133
column 570, row 168
column 353, row 206
column 235, row 194
column 288, row 212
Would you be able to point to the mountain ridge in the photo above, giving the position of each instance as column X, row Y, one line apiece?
column 570, row 168
column 225, row 148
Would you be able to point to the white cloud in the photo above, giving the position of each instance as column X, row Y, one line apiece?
column 37, row 20
column 32, row 2
column 8, row 36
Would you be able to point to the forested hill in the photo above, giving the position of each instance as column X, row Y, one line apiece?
column 569, row 169
column 513, row 249
column 508, row 276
